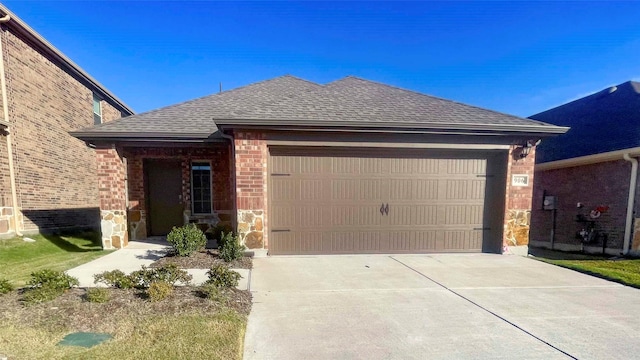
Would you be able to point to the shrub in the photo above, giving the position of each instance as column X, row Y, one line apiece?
column 5, row 286
column 52, row 278
column 115, row 278
column 232, row 249
column 169, row 273
column 222, row 276
column 218, row 231
column 46, row 285
column 187, row 239
column 211, row 292
column 159, row 290
column 46, row 292
column 97, row 295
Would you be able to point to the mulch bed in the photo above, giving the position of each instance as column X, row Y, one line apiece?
column 202, row 260
column 73, row 311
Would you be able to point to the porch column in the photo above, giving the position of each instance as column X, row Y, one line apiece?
column 519, row 198
column 111, row 185
column 251, row 188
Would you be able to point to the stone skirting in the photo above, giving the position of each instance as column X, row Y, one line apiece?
column 517, row 227
column 251, row 228
column 113, row 227
column 6, row 221
column 137, row 224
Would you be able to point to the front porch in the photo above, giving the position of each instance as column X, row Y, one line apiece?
column 145, row 191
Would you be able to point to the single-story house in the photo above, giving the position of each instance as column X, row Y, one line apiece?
column 588, row 176
column 352, row 166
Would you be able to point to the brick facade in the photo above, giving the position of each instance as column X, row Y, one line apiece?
column 518, row 199
column 217, row 155
column 55, row 173
column 602, row 184
column 251, row 156
column 111, row 173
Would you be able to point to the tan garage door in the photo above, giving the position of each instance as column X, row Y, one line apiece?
column 341, row 203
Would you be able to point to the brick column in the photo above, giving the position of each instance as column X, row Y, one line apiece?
column 518, row 200
column 251, row 188
column 111, row 186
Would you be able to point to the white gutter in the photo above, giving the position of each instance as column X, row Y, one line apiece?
column 630, row 202
column 5, row 110
column 586, row 160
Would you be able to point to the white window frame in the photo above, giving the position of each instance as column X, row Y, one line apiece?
column 96, row 99
column 193, row 211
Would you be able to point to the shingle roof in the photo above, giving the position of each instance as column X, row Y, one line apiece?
column 290, row 101
column 608, row 120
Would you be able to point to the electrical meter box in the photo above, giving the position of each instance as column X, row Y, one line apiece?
column 549, row 203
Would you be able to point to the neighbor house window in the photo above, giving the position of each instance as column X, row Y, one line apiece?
column 97, row 110
column 201, row 187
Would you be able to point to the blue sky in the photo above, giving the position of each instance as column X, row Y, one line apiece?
column 515, row 57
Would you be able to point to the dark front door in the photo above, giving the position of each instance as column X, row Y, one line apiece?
column 164, row 184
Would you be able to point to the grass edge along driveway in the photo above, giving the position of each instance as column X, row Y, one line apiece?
column 621, row 270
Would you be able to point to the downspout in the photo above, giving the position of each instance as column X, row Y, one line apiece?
column 5, row 110
column 234, row 217
column 630, row 201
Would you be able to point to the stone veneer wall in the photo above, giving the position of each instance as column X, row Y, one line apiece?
column 251, row 188
column 111, row 185
column 518, row 200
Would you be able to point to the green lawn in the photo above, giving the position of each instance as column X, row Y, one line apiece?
column 19, row 259
column 624, row 271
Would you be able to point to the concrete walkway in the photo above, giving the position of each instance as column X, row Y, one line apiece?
column 133, row 257
column 477, row 306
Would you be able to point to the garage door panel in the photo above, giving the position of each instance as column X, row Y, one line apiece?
column 465, row 166
column 462, row 240
column 303, row 242
column 353, row 242
column 415, row 166
column 356, row 216
column 434, row 204
column 461, row 215
column 284, row 189
column 412, row 189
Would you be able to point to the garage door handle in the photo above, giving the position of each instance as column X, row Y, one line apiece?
column 382, row 209
column 386, row 209
column 280, row 230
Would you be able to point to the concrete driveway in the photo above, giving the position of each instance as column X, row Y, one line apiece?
column 436, row 307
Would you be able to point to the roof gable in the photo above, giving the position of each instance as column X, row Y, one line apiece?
column 608, row 120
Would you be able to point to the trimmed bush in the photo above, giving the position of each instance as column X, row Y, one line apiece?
column 222, row 276
column 46, row 285
column 5, row 286
column 159, row 290
column 217, row 233
column 187, row 239
column 115, row 278
column 44, row 293
column 169, row 273
column 211, row 292
column 98, row 295
column 231, row 248
column 56, row 279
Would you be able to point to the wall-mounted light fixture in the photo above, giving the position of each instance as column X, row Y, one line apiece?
column 523, row 150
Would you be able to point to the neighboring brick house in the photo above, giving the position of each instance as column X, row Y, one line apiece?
column 591, row 173
column 48, row 179
column 296, row 167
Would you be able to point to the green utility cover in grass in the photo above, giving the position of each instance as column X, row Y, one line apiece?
column 84, row 339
